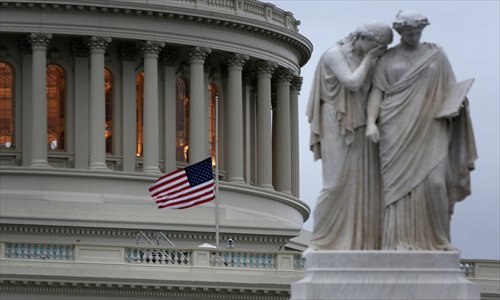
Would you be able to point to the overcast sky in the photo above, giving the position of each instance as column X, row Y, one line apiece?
column 469, row 33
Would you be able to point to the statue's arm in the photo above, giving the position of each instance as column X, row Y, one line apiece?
column 373, row 109
column 353, row 81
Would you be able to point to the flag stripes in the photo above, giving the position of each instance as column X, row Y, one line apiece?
column 186, row 187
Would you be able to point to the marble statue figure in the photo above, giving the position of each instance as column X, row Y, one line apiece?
column 425, row 156
column 347, row 213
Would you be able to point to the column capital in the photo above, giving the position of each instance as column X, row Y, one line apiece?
column 297, row 82
column 96, row 43
column 265, row 67
column 284, row 75
column 151, row 47
column 236, row 59
column 39, row 40
column 198, row 53
column 127, row 51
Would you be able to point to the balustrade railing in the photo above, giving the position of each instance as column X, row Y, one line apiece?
column 468, row 267
column 299, row 262
column 159, row 256
column 151, row 255
column 39, row 251
column 243, row 259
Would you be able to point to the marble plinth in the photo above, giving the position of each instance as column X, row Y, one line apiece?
column 383, row 275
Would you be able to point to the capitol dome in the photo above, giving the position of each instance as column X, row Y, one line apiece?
column 100, row 98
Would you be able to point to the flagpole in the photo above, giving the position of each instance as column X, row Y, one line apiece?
column 217, row 217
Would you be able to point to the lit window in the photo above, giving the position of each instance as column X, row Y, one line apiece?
column 108, row 88
column 56, row 108
column 212, row 92
column 182, row 119
column 139, row 101
column 6, row 106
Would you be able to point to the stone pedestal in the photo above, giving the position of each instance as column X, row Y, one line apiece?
column 383, row 275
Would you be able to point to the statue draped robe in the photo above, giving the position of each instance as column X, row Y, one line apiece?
column 347, row 212
column 425, row 161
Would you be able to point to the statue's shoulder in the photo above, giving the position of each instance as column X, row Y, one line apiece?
column 332, row 52
column 388, row 55
column 432, row 46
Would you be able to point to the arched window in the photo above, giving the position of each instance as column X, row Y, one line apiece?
column 139, row 104
column 182, row 119
column 56, row 108
column 212, row 92
column 6, row 106
column 108, row 90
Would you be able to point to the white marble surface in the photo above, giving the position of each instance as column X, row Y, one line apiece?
column 383, row 275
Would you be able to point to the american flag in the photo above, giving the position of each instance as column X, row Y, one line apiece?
column 186, row 187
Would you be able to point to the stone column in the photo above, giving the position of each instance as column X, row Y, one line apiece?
column 151, row 152
column 81, row 65
column 168, row 57
column 294, row 128
column 39, row 43
column 97, row 45
column 264, row 124
column 249, row 115
column 283, row 179
column 235, row 63
column 128, row 53
column 198, row 128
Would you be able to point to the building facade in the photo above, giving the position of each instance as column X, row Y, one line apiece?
column 99, row 98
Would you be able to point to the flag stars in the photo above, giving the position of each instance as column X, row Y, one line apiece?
column 200, row 172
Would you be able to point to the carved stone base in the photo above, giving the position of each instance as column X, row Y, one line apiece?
column 383, row 275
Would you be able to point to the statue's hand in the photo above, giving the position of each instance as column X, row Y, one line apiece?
column 377, row 51
column 372, row 132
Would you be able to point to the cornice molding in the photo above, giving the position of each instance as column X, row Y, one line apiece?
column 250, row 22
column 75, row 287
column 132, row 233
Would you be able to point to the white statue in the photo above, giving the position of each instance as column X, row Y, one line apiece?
column 425, row 154
column 347, row 212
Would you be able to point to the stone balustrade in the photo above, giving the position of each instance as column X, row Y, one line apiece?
column 244, row 259
column 158, row 256
column 216, row 258
column 39, row 251
column 150, row 255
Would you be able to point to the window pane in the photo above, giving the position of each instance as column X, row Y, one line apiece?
column 56, row 110
column 6, row 106
column 108, row 88
column 139, row 100
column 182, row 121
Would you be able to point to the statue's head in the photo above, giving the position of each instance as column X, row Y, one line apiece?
column 378, row 31
column 410, row 24
column 409, row 19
